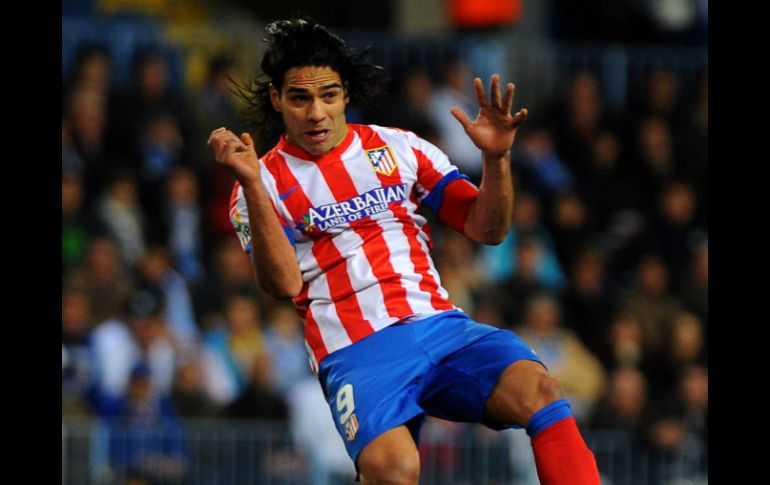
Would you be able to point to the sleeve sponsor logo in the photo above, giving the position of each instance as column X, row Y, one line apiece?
column 241, row 229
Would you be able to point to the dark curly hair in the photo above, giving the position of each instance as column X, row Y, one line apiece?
column 300, row 42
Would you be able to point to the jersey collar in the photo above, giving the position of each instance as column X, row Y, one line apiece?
column 333, row 154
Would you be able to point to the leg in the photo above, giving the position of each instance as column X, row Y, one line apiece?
column 526, row 395
column 390, row 459
column 523, row 389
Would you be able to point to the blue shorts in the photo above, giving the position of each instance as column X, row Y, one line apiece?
column 445, row 366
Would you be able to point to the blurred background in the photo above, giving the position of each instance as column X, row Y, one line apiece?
column 178, row 369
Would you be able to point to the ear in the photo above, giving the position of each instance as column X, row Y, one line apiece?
column 345, row 89
column 275, row 97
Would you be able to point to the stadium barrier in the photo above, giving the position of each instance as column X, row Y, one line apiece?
column 238, row 452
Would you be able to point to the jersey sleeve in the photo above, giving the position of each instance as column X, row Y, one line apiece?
column 239, row 218
column 441, row 186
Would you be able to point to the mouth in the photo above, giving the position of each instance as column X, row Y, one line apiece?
column 319, row 135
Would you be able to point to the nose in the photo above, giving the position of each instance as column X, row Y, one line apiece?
column 315, row 112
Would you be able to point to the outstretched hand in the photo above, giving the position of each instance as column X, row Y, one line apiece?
column 494, row 129
column 235, row 153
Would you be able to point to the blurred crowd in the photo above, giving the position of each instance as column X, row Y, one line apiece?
column 604, row 271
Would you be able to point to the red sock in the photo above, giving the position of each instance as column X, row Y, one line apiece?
column 562, row 457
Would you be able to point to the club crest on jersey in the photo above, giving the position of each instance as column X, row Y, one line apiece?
column 382, row 160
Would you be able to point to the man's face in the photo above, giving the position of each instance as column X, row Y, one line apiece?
column 312, row 102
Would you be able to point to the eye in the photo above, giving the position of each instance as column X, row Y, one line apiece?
column 330, row 95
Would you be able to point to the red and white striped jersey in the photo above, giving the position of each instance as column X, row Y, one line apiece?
column 361, row 245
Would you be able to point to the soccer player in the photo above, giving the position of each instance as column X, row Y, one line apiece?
column 329, row 217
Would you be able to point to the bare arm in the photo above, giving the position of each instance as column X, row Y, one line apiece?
column 493, row 132
column 272, row 254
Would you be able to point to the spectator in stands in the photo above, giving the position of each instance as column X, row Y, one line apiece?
column 284, row 342
column 607, row 183
column 78, row 363
column 145, row 437
column 258, row 399
column 231, row 273
column 155, row 270
column 453, row 92
column 216, row 105
column 675, row 230
column 692, row 141
column 92, row 67
column 85, row 109
column 408, row 106
column 578, row 118
column 188, row 394
column 103, row 278
column 150, row 94
column 624, row 413
column 588, row 298
column 652, row 303
column 316, row 436
column 455, row 260
column 121, row 215
column 577, row 369
column 684, row 348
column 231, row 347
column 160, row 146
column 74, row 225
column 681, row 417
column 695, row 289
column 625, row 346
column 525, row 282
column 571, row 226
column 539, row 167
column 184, row 220
column 656, row 162
column 140, row 335
column 500, row 262
column 625, row 404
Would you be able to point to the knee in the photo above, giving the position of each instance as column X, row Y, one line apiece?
column 545, row 391
column 390, row 467
column 524, row 389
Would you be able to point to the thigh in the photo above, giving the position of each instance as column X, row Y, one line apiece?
column 373, row 386
column 458, row 387
column 390, row 457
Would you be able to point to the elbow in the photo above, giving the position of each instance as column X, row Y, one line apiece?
column 281, row 293
column 283, row 290
column 485, row 233
column 494, row 239
column 491, row 237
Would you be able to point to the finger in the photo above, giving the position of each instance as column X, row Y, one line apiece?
column 218, row 130
column 520, row 117
column 494, row 91
column 218, row 141
column 480, row 94
column 231, row 148
column 461, row 117
column 246, row 139
column 508, row 98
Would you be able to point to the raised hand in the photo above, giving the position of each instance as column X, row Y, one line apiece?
column 494, row 129
column 237, row 154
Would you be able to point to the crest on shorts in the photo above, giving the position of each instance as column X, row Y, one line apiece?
column 351, row 427
column 382, row 160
